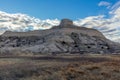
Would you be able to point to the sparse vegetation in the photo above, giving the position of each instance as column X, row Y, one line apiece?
column 67, row 67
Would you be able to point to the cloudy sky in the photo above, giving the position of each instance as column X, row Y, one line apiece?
column 25, row 15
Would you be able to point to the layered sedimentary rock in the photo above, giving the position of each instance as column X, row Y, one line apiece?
column 64, row 38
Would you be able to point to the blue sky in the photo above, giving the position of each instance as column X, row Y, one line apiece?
column 44, row 9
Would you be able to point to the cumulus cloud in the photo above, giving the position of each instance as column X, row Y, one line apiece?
column 23, row 22
column 104, row 3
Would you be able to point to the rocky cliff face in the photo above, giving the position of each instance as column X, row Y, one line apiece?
column 65, row 38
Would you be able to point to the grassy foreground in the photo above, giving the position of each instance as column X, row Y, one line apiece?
column 61, row 67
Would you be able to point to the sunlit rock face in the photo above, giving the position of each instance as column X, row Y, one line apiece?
column 64, row 38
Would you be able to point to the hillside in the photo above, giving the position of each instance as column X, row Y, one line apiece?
column 64, row 38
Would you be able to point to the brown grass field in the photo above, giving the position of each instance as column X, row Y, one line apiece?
column 60, row 67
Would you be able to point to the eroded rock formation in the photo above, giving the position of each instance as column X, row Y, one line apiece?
column 65, row 38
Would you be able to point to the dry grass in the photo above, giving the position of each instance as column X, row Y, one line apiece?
column 84, row 67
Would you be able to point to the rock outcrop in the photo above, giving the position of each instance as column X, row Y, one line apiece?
column 64, row 38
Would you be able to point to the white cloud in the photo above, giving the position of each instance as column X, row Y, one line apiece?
column 23, row 22
column 116, row 5
column 110, row 27
column 104, row 3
